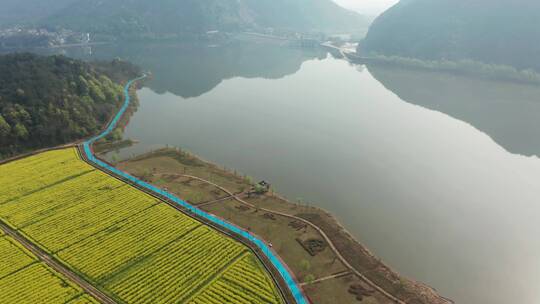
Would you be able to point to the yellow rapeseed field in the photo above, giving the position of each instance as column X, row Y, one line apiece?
column 24, row 279
column 124, row 241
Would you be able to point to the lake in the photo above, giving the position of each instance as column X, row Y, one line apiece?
column 437, row 174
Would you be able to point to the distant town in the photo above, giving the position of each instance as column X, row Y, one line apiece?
column 22, row 37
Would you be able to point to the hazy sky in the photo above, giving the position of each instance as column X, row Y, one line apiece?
column 367, row 7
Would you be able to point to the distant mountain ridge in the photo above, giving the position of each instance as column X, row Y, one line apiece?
column 162, row 17
column 496, row 31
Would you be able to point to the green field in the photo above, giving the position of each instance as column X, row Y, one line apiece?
column 24, row 279
column 127, row 243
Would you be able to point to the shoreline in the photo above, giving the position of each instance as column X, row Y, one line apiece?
column 408, row 291
column 375, row 274
column 288, row 287
column 283, row 276
column 416, row 292
column 463, row 68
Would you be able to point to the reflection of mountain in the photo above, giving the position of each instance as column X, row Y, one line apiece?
column 509, row 113
column 190, row 70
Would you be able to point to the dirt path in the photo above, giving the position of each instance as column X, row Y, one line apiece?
column 319, row 230
column 214, row 201
column 334, row 276
column 51, row 262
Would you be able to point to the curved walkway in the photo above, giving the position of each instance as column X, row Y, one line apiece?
column 272, row 257
column 319, row 230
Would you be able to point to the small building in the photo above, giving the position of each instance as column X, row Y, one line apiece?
column 260, row 188
column 264, row 185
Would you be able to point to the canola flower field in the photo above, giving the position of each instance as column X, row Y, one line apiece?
column 24, row 279
column 125, row 242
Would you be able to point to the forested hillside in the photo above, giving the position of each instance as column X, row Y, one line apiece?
column 496, row 32
column 47, row 101
column 129, row 18
column 304, row 15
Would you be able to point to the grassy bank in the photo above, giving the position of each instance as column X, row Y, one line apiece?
column 302, row 247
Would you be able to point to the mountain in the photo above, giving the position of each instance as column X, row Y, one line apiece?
column 304, row 15
column 172, row 17
column 498, row 32
column 47, row 101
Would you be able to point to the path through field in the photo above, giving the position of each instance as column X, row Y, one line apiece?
column 47, row 259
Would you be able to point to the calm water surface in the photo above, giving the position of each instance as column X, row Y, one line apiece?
column 438, row 175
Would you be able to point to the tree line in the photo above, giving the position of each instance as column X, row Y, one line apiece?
column 47, row 101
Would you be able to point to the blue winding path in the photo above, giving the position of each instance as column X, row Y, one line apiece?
column 283, row 271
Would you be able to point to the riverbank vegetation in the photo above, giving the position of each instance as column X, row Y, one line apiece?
column 48, row 101
column 464, row 67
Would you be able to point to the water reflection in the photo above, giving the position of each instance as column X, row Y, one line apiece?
column 509, row 113
column 199, row 69
column 193, row 68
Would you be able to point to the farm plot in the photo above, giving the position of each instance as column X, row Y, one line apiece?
column 24, row 279
column 124, row 241
column 34, row 173
column 243, row 283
